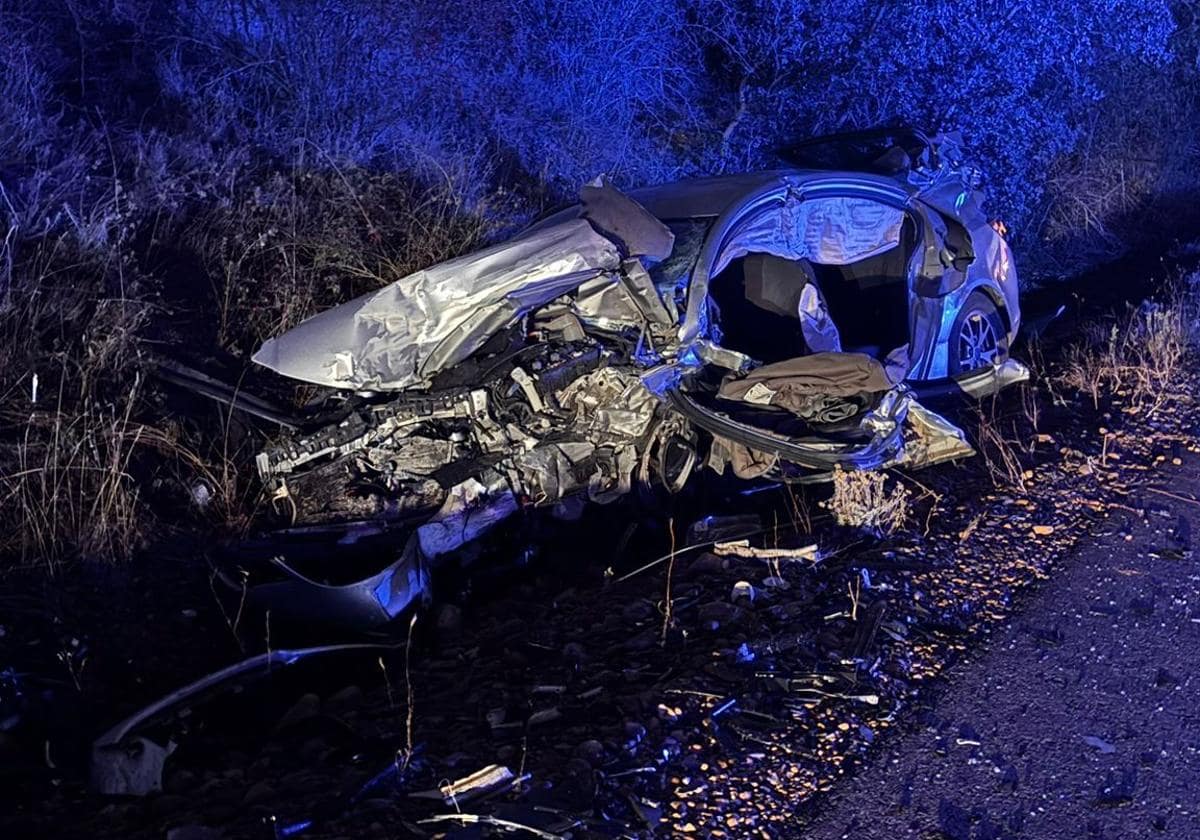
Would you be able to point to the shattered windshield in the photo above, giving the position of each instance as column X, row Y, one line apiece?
column 670, row 276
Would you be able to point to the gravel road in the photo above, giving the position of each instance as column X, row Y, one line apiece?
column 1080, row 719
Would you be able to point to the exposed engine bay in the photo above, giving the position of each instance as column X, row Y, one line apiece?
column 541, row 423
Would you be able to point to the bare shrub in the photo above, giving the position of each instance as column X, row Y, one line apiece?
column 1117, row 186
column 862, row 499
column 1141, row 354
column 294, row 244
column 999, row 452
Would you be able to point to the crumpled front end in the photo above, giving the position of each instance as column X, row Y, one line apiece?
column 405, row 334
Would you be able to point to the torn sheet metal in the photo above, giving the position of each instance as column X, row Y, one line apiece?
column 745, row 462
column 127, row 763
column 359, row 606
column 471, row 509
column 930, row 438
column 423, row 323
column 989, row 381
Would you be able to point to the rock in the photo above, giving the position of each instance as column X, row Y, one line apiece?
column 592, row 752
column 258, row 792
column 1100, row 744
column 1043, row 530
column 1165, row 679
column 1009, row 778
column 743, row 591
column 449, row 620
column 1118, row 788
column 578, row 768
column 708, row 564
column 634, row 733
column 308, row 706
column 716, row 613
column 349, row 697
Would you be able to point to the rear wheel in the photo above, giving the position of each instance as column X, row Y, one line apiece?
column 978, row 338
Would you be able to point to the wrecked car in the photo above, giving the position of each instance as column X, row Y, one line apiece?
column 775, row 325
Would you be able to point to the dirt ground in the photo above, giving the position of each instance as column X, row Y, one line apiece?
column 1012, row 664
column 1078, row 719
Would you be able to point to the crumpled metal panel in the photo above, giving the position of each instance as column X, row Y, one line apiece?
column 993, row 256
column 609, row 404
column 625, row 300
column 931, row 439
column 365, row 604
column 408, row 331
column 471, row 509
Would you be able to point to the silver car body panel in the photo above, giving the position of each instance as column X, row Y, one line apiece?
column 401, row 335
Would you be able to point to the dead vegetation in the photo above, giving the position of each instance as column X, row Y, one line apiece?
column 866, row 500
column 295, row 243
column 1139, row 356
column 92, row 284
column 87, row 451
column 999, row 443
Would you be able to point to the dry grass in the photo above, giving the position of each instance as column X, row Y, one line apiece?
column 85, row 452
column 91, row 453
column 999, row 452
column 78, row 483
column 863, row 499
column 296, row 243
column 1140, row 356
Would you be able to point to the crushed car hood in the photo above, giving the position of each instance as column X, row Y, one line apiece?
column 398, row 336
column 424, row 323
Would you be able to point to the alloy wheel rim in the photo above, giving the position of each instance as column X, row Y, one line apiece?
column 978, row 344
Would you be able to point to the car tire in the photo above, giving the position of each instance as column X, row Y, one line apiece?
column 978, row 338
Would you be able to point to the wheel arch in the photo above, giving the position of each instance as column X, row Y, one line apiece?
column 993, row 294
